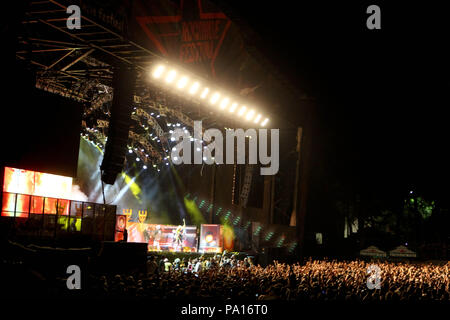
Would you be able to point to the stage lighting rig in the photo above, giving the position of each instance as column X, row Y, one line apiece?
column 170, row 76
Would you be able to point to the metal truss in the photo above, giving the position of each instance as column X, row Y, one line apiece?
column 79, row 64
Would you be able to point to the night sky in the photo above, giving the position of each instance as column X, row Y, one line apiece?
column 382, row 95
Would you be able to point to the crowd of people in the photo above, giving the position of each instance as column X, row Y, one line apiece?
column 226, row 277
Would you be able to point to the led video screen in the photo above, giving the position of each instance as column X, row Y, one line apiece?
column 210, row 238
column 121, row 222
column 163, row 237
column 37, row 183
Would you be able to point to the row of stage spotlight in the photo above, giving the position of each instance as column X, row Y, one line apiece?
column 170, row 76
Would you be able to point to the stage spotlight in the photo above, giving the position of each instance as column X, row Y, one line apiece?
column 242, row 110
column 233, row 107
column 224, row 103
column 182, row 82
column 171, row 76
column 194, row 88
column 137, row 159
column 250, row 115
column 214, row 98
column 130, row 151
column 193, row 85
column 209, row 238
column 145, row 167
column 204, row 93
column 158, row 71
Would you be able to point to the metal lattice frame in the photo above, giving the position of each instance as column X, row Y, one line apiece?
column 78, row 64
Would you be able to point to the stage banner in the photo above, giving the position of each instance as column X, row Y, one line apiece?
column 121, row 222
column 163, row 237
column 211, row 238
column 193, row 32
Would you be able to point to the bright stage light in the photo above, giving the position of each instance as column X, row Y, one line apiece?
column 204, row 93
column 158, row 71
column 137, row 159
column 264, row 122
column 209, row 238
column 194, row 88
column 242, row 110
column 224, row 103
column 145, row 167
column 130, row 151
column 171, row 76
column 233, row 107
column 182, row 82
column 214, row 98
column 250, row 115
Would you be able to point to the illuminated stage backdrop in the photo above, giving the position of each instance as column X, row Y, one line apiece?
column 161, row 237
column 28, row 183
column 121, row 222
column 38, row 205
column 37, row 183
column 211, row 238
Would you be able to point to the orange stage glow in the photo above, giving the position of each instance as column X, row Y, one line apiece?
column 37, row 183
column 30, row 187
column 209, row 238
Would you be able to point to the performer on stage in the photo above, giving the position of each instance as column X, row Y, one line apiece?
column 179, row 235
column 157, row 237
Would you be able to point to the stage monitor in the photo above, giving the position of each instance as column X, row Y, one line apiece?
column 211, row 238
column 163, row 237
